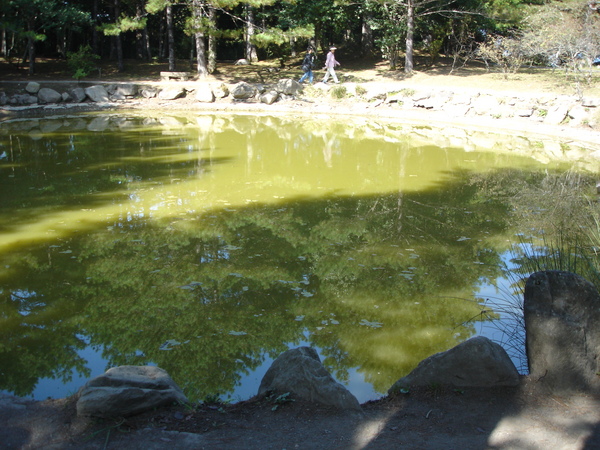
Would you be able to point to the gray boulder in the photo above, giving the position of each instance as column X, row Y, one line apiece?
column 433, row 102
column 171, row 93
column 269, row 97
column 590, row 102
column 118, row 97
column 395, row 97
column 288, row 86
column 32, row 87
column 243, row 91
column 128, row 390
column 23, row 99
column 525, row 112
column 78, row 95
column 562, row 313
column 97, row 93
column 47, row 95
column 125, row 90
column 477, row 362
column 578, row 115
column 204, row 93
column 299, row 371
column 149, row 92
column 556, row 114
column 221, row 90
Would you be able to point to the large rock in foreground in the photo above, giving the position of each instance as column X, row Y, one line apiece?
column 126, row 391
column 299, row 371
column 562, row 323
column 477, row 362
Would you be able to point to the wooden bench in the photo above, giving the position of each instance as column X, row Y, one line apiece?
column 179, row 76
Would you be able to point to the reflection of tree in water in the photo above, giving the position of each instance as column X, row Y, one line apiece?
column 228, row 288
column 373, row 278
column 38, row 335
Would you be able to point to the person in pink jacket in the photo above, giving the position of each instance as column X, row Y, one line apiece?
column 330, row 64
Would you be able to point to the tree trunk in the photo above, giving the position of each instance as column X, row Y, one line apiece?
column 140, row 45
column 170, row 37
column 95, row 32
column 201, row 66
column 212, row 40
column 118, row 40
column 119, row 49
column 366, row 41
column 251, row 54
column 4, row 50
column 393, row 50
column 318, row 31
column 161, row 40
column 147, row 48
column 31, row 54
column 30, row 50
column 410, row 31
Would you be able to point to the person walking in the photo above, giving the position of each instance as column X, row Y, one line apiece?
column 307, row 65
column 330, row 64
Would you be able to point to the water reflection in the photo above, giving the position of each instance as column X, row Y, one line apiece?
column 208, row 245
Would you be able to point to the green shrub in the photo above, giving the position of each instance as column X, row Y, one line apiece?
column 360, row 91
column 339, row 92
column 82, row 62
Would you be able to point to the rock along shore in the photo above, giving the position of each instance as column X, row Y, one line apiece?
column 550, row 115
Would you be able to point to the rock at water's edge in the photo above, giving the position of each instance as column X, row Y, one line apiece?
column 299, row 371
column 128, row 390
column 477, row 362
column 562, row 313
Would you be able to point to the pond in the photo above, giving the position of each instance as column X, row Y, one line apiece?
column 210, row 244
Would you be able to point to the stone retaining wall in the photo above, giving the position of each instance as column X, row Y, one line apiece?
column 526, row 109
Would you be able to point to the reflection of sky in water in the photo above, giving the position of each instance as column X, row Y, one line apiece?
column 508, row 331
column 49, row 388
column 248, row 386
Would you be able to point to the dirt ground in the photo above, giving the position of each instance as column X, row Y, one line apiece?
column 525, row 417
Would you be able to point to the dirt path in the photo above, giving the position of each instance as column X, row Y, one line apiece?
column 500, row 418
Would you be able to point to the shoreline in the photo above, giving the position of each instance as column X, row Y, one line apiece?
column 377, row 105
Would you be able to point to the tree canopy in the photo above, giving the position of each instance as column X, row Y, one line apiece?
column 211, row 30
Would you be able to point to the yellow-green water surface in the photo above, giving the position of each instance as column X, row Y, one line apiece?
column 209, row 244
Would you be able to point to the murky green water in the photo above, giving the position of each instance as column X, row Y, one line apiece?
column 208, row 245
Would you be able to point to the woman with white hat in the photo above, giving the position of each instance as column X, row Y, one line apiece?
column 330, row 64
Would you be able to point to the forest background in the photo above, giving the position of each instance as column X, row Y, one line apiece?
column 509, row 34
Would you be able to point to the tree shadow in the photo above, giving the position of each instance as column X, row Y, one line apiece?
column 523, row 417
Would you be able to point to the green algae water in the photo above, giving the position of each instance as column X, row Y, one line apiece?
column 209, row 244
